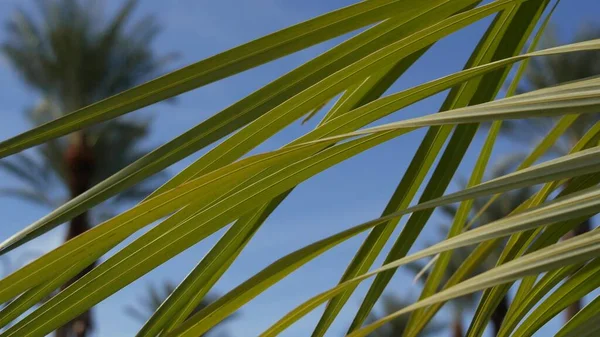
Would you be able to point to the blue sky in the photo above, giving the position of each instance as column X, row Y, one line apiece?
column 353, row 192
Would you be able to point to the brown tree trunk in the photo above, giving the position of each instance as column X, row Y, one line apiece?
column 80, row 164
column 574, row 308
column 457, row 326
column 499, row 314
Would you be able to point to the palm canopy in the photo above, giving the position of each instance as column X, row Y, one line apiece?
column 72, row 57
column 482, row 212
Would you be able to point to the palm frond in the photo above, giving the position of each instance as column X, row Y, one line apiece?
column 518, row 217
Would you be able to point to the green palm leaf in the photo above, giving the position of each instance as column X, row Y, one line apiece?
column 225, row 187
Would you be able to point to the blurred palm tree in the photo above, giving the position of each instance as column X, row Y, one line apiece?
column 395, row 328
column 549, row 71
column 499, row 209
column 72, row 57
column 155, row 297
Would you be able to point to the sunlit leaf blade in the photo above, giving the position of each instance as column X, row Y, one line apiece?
column 402, row 196
column 527, row 296
column 343, row 123
column 195, row 286
column 516, row 246
column 300, row 257
column 441, row 261
column 174, row 238
column 362, row 93
column 371, row 88
column 245, row 110
column 584, row 281
column 586, row 323
column 586, row 160
column 504, row 38
column 362, row 96
column 94, row 243
column 589, row 139
column 225, row 64
column 485, row 248
column 466, row 269
column 405, row 191
column 549, row 236
column 439, row 269
column 501, row 227
column 226, row 187
column 514, row 84
column 537, row 292
column 582, row 248
column 530, row 218
column 35, row 295
column 374, row 87
column 384, row 106
column 422, row 316
column 294, row 108
column 353, row 98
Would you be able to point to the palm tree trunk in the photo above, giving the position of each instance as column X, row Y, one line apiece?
column 80, row 164
column 457, row 326
column 585, row 227
column 499, row 314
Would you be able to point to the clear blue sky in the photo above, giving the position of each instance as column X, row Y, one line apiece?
column 348, row 194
